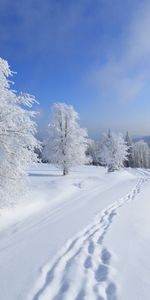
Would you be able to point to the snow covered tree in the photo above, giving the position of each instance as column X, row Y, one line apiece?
column 141, row 155
column 129, row 161
column 101, row 148
column 66, row 143
column 114, row 151
column 17, row 141
column 92, row 151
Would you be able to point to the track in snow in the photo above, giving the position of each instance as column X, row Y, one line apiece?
column 82, row 270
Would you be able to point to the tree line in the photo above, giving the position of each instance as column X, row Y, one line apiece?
column 66, row 145
column 116, row 151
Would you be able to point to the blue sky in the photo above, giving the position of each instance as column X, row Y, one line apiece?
column 94, row 55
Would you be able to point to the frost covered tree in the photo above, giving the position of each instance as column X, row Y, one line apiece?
column 114, row 151
column 66, row 143
column 141, row 155
column 17, row 141
column 92, row 152
column 101, row 148
column 129, row 161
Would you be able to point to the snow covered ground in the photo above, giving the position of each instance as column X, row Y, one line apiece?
column 83, row 236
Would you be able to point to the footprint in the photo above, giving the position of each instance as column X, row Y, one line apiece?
column 111, row 292
column 88, row 263
column 101, row 273
column 100, row 240
column 111, row 216
column 81, row 295
column 62, row 291
column 91, row 247
column 100, row 298
column 106, row 256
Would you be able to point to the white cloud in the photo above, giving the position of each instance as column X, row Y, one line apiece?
column 124, row 78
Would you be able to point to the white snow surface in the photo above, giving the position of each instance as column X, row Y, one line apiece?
column 82, row 236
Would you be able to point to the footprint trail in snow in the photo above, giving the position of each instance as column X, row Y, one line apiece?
column 82, row 269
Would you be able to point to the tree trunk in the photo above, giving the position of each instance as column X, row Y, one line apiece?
column 65, row 171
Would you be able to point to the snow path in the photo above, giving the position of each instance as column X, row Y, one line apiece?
column 82, row 269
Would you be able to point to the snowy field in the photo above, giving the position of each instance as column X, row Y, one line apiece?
column 83, row 236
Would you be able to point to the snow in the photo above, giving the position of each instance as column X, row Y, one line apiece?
column 82, row 236
column 129, row 240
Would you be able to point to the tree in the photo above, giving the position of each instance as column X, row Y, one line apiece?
column 66, row 143
column 101, row 148
column 92, row 150
column 129, row 161
column 141, row 155
column 17, row 141
column 114, row 151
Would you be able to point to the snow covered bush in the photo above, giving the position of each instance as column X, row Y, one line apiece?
column 17, row 141
column 66, row 143
column 141, row 155
column 114, row 151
